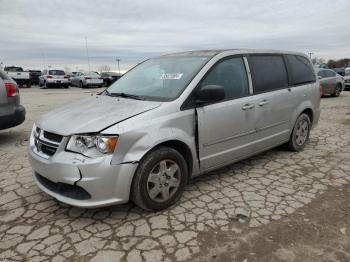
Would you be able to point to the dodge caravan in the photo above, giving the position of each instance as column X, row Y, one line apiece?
column 172, row 118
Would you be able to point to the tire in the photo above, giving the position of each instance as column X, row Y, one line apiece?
column 300, row 134
column 159, row 180
column 337, row 90
column 29, row 85
column 81, row 85
column 44, row 85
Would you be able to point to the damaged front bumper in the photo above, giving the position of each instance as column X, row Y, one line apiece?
column 81, row 181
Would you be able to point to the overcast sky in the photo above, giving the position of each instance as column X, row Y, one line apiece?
column 52, row 32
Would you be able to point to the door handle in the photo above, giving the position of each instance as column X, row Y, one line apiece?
column 264, row 102
column 247, row 106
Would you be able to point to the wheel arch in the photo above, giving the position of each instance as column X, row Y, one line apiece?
column 309, row 112
column 183, row 149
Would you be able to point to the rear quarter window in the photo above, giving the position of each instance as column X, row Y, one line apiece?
column 301, row 69
column 268, row 72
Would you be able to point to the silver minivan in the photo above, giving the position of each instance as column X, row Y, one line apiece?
column 172, row 118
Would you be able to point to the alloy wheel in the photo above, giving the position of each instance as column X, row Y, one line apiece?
column 163, row 180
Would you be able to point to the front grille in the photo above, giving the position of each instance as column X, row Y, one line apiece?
column 67, row 190
column 53, row 137
column 45, row 142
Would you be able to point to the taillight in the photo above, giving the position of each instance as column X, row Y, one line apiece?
column 11, row 89
column 87, row 78
column 321, row 90
column 49, row 77
column 66, row 77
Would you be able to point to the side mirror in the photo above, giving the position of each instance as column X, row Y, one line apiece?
column 210, row 94
column 319, row 77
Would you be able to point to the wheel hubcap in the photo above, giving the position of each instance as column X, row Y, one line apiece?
column 301, row 132
column 163, row 181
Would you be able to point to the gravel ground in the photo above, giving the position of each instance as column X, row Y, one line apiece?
column 276, row 206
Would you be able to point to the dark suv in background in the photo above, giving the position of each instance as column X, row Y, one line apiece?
column 11, row 112
column 34, row 76
column 110, row 77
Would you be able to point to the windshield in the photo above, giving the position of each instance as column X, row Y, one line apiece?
column 56, row 72
column 161, row 79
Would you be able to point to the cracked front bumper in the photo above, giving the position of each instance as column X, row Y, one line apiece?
column 64, row 172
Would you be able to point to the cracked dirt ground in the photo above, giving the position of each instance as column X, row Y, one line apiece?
column 276, row 206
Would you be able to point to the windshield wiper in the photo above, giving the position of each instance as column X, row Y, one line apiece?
column 125, row 95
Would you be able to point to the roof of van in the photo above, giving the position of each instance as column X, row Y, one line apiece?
column 214, row 52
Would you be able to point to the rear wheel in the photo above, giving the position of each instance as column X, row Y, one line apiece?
column 337, row 90
column 160, row 179
column 81, row 84
column 300, row 134
column 44, row 85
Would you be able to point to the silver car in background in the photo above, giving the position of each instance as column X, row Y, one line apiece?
column 172, row 118
column 347, row 78
column 86, row 79
column 53, row 78
column 11, row 112
column 331, row 82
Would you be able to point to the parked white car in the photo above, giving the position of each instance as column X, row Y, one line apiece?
column 53, row 78
column 85, row 79
column 20, row 76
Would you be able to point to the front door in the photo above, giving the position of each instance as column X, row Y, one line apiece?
column 225, row 129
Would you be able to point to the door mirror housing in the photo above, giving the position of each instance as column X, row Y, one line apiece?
column 210, row 94
column 319, row 77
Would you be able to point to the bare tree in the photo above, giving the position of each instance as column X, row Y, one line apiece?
column 318, row 61
column 104, row 68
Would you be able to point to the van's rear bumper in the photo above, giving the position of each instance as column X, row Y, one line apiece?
column 14, row 119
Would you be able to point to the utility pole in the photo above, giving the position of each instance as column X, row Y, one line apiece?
column 310, row 54
column 87, row 53
column 118, row 60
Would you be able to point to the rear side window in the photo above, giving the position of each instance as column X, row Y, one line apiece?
column 4, row 76
column 268, row 72
column 301, row 69
column 322, row 73
column 231, row 75
column 330, row 73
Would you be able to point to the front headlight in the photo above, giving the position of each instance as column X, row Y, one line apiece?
column 92, row 145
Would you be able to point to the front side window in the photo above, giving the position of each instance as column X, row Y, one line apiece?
column 301, row 69
column 268, row 73
column 159, row 79
column 231, row 75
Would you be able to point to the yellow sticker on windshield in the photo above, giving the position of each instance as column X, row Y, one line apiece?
column 171, row 76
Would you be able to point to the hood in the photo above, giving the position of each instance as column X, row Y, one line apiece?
column 92, row 114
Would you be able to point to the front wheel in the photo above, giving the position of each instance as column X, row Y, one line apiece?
column 159, row 180
column 300, row 134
